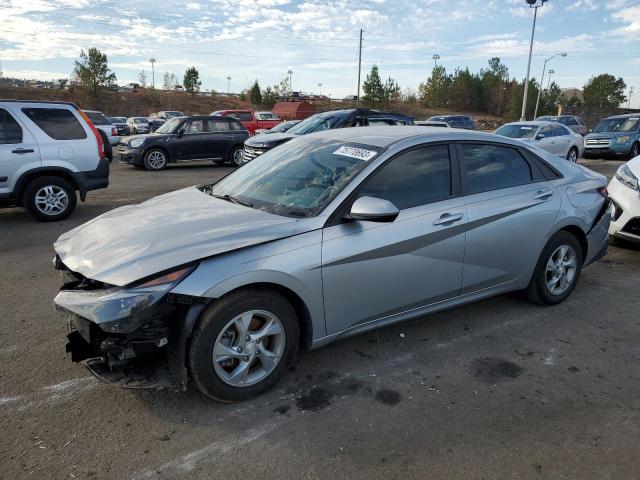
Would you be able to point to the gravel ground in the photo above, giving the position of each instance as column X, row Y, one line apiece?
column 498, row 389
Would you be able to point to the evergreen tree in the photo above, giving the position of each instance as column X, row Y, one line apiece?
column 93, row 73
column 192, row 81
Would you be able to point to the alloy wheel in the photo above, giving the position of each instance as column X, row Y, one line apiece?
column 237, row 157
column 51, row 200
column 573, row 155
column 561, row 269
column 248, row 348
column 157, row 160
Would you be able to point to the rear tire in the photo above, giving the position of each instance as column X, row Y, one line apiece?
column 235, row 156
column 557, row 271
column 155, row 160
column 572, row 155
column 228, row 359
column 49, row 199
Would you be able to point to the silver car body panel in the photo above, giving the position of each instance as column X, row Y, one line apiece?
column 352, row 276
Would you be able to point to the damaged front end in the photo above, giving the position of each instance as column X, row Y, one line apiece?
column 127, row 335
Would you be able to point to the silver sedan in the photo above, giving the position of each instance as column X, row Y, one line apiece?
column 549, row 136
column 329, row 235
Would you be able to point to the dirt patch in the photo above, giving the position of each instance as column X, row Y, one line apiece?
column 314, row 400
column 388, row 397
column 492, row 370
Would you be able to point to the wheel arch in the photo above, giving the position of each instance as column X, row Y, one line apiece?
column 31, row 175
column 577, row 232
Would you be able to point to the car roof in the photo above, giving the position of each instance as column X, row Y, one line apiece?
column 51, row 102
column 384, row 136
column 626, row 115
column 534, row 123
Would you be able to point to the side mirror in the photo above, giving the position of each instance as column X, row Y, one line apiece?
column 373, row 210
column 180, row 132
column 540, row 136
column 591, row 130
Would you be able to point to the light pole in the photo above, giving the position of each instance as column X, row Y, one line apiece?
column 320, row 87
column 535, row 4
column 153, row 73
column 290, row 72
column 551, row 72
column 561, row 54
column 435, row 58
column 228, row 86
column 630, row 94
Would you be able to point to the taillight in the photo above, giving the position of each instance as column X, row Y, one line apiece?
column 101, row 152
column 114, row 132
column 604, row 192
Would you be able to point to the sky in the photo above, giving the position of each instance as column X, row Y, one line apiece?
column 318, row 40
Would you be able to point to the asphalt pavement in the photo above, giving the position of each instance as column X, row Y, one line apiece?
column 498, row 389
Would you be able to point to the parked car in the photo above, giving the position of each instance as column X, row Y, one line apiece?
column 48, row 152
column 432, row 123
column 330, row 235
column 570, row 121
column 625, row 198
column 215, row 138
column 549, row 136
column 455, row 121
column 138, row 125
column 617, row 136
column 351, row 117
column 252, row 121
column 167, row 114
column 122, row 129
column 280, row 128
column 103, row 123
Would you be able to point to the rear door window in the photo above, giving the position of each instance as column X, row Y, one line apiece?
column 492, row 167
column 195, row 126
column 235, row 125
column 218, row 125
column 10, row 130
column 57, row 123
column 560, row 131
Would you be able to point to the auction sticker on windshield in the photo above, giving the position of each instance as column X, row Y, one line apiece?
column 353, row 152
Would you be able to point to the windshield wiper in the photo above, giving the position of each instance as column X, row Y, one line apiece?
column 231, row 199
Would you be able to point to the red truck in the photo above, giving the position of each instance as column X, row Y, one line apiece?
column 252, row 120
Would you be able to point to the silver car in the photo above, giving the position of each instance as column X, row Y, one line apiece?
column 549, row 136
column 326, row 236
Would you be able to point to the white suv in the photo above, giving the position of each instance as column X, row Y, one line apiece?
column 48, row 151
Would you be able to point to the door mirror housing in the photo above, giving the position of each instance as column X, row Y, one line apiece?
column 373, row 210
column 180, row 132
column 540, row 136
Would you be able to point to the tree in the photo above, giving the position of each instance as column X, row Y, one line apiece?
column 494, row 82
column 169, row 81
column 93, row 73
column 142, row 79
column 550, row 99
column 374, row 92
column 409, row 95
column 514, row 103
column 192, row 81
column 392, row 91
column 255, row 95
column 283, row 89
column 465, row 91
column 604, row 91
column 435, row 91
column 269, row 97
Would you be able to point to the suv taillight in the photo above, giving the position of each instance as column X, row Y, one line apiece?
column 101, row 152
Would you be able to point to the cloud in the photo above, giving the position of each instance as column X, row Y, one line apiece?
column 193, row 6
column 631, row 17
column 34, row 74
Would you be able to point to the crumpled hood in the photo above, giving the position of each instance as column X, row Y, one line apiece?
column 132, row 242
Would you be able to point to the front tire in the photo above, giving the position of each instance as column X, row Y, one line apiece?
column 50, row 199
column 243, row 344
column 155, row 160
column 557, row 271
column 572, row 155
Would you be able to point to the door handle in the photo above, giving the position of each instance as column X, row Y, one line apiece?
column 542, row 194
column 447, row 218
column 22, row 150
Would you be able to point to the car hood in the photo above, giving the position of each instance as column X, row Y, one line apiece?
column 271, row 140
column 142, row 135
column 135, row 241
column 607, row 135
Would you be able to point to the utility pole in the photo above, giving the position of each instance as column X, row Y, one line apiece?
column 320, row 87
column 290, row 72
column 228, row 86
column 630, row 94
column 153, row 73
column 359, row 66
column 532, row 4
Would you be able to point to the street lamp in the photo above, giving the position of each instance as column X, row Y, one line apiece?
column 320, row 87
column 435, row 58
column 561, row 54
column 535, row 4
column 228, row 85
column 551, row 72
column 153, row 73
column 290, row 72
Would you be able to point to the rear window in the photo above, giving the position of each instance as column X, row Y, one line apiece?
column 244, row 116
column 10, row 131
column 235, row 125
column 58, row 123
column 97, row 118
